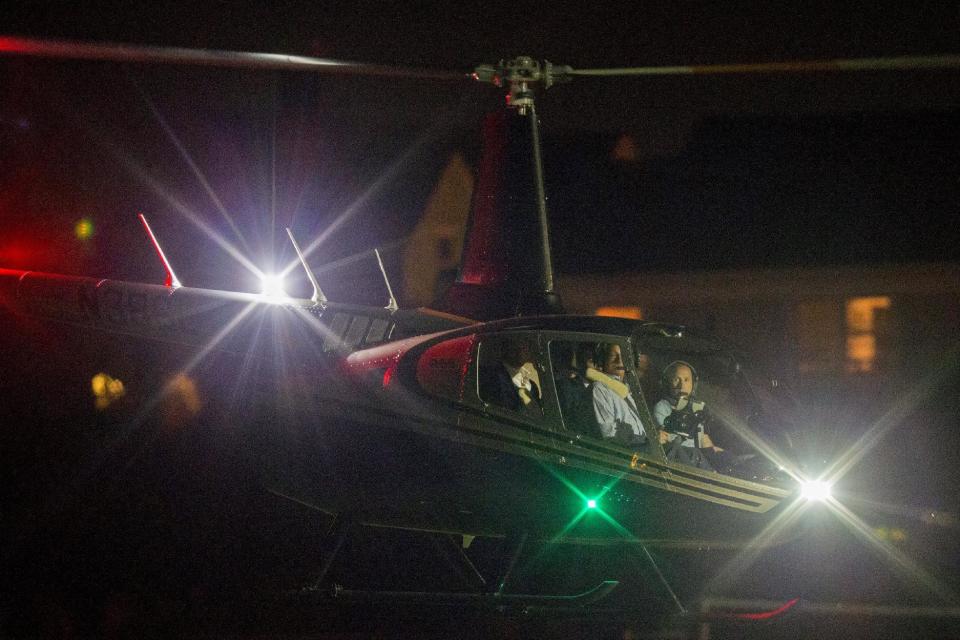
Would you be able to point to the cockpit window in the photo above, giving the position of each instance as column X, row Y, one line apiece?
column 708, row 413
column 378, row 330
column 597, row 391
column 509, row 374
column 570, row 361
column 338, row 325
column 356, row 331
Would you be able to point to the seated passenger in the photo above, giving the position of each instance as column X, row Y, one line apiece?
column 573, row 387
column 682, row 419
column 514, row 383
column 613, row 404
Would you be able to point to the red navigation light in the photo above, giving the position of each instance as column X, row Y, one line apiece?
column 20, row 251
column 388, row 374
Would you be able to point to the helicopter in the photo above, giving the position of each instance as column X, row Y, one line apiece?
column 380, row 418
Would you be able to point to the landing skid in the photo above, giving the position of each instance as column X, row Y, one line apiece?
column 493, row 594
column 480, row 595
column 496, row 599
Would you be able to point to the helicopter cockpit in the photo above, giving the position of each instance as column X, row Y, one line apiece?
column 614, row 389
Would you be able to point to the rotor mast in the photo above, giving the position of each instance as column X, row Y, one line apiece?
column 523, row 78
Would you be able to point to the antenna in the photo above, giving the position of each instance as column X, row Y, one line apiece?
column 171, row 280
column 317, row 297
column 392, row 305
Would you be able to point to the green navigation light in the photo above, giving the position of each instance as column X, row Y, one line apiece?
column 591, row 504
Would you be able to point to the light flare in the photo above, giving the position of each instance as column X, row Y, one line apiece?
column 742, row 561
column 907, row 568
column 83, row 229
column 748, row 435
column 816, row 490
column 844, row 463
column 395, row 168
column 106, row 390
column 272, row 286
column 201, row 178
column 893, row 417
column 140, row 173
column 216, row 339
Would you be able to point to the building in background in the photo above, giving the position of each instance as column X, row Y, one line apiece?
column 431, row 253
column 821, row 246
column 812, row 324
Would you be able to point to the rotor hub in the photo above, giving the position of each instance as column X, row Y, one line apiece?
column 523, row 76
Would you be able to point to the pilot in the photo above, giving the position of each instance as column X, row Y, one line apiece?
column 613, row 404
column 515, row 383
column 682, row 418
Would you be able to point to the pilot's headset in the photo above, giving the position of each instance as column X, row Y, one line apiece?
column 668, row 371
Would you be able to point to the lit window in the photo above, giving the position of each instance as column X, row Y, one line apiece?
column 633, row 313
column 864, row 324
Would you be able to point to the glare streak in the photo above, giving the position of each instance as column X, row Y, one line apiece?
column 154, row 400
column 366, row 254
column 739, row 563
column 154, row 185
column 905, row 565
column 570, row 525
column 562, row 479
column 207, row 230
column 248, row 361
column 559, row 536
column 87, row 470
column 314, row 323
column 215, row 340
column 740, row 428
column 391, row 172
column 890, row 419
column 921, row 514
column 201, row 178
column 647, row 556
column 273, row 175
column 844, row 463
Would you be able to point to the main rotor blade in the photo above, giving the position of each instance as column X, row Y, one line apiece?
column 65, row 49
column 857, row 64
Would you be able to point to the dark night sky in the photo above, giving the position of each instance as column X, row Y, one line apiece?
column 729, row 171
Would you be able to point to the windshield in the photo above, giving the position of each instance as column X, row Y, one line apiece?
column 704, row 399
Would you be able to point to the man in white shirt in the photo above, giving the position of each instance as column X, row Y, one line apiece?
column 613, row 404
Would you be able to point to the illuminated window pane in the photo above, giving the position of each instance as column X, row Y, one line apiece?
column 861, row 353
column 864, row 323
column 861, row 313
column 633, row 313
